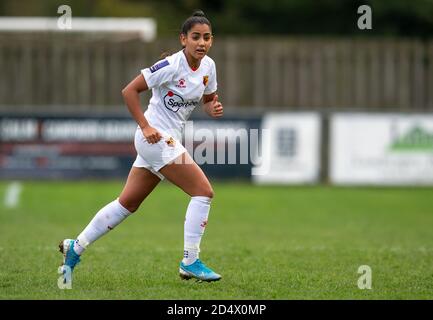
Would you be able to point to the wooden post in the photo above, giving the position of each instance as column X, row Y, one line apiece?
column 403, row 76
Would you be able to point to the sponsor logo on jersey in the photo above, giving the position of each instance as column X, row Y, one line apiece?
column 205, row 80
column 174, row 102
column 181, row 83
column 158, row 66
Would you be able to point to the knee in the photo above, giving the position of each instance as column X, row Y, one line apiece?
column 131, row 206
column 210, row 193
column 207, row 192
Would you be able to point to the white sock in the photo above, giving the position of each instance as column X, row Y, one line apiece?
column 195, row 224
column 105, row 220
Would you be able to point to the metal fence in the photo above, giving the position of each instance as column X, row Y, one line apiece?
column 79, row 73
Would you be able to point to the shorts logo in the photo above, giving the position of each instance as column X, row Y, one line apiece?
column 158, row 66
column 174, row 102
column 205, row 80
column 171, row 142
column 181, row 83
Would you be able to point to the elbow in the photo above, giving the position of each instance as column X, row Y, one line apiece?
column 124, row 91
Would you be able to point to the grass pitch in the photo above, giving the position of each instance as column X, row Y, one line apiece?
column 267, row 242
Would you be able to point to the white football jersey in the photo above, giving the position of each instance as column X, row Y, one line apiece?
column 176, row 91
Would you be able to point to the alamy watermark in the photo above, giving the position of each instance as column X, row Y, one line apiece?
column 64, row 22
column 365, row 21
column 227, row 145
column 65, row 280
column 365, row 280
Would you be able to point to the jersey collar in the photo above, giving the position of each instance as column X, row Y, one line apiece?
column 191, row 70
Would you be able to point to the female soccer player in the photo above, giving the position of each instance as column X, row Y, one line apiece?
column 178, row 83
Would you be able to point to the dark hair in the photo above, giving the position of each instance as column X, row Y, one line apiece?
column 198, row 17
column 165, row 54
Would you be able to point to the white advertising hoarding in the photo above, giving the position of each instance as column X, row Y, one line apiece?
column 381, row 149
column 290, row 149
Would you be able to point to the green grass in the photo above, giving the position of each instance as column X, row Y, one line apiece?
column 267, row 242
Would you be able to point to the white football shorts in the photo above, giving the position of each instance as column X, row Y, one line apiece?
column 155, row 156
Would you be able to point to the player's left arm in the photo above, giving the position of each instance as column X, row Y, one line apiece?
column 212, row 106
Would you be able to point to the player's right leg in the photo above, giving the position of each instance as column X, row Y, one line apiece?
column 139, row 184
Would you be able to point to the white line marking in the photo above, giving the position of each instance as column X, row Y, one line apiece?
column 12, row 196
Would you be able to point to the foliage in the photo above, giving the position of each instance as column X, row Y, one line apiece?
column 325, row 17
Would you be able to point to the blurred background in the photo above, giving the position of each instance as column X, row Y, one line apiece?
column 337, row 99
column 316, row 108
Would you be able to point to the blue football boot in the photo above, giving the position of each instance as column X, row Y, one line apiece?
column 70, row 257
column 198, row 270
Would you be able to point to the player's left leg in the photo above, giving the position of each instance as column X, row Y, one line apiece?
column 187, row 175
column 139, row 185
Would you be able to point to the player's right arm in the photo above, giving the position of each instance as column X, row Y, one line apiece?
column 132, row 99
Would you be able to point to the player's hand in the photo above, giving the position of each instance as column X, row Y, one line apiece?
column 151, row 134
column 214, row 108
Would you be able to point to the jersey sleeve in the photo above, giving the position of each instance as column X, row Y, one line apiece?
column 211, row 86
column 158, row 74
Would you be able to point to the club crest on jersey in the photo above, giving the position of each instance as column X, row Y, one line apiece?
column 205, row 80
column 174, row 102
column 158, row 66
column 181, row 83
column 170, row 142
